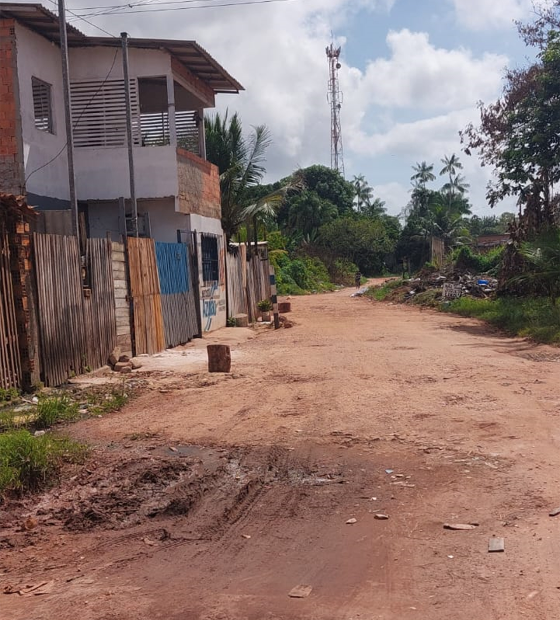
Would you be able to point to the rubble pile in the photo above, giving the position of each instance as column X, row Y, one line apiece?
column 453, row 284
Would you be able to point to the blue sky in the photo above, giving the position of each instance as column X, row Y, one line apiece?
column 412, row 73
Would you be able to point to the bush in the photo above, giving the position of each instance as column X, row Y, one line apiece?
column 297, row 276
column 54, row 409
column 535, row 318
column 8, row 395
column 28, row 463
column 465, row 259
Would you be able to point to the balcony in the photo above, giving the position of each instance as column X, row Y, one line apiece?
column 168, row 137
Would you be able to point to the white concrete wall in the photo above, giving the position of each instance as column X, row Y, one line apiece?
column 37, row 57
column 102, row 174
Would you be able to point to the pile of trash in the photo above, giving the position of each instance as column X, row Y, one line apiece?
column 453, row 284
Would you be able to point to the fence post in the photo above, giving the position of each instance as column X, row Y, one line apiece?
column 274, row 297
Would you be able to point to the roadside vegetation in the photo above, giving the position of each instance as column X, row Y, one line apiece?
column 33, row 451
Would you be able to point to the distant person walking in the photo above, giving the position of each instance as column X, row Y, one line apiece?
column 358, row 279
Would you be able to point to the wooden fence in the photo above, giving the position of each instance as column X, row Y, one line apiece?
column 178, row 297
column 149, row 333
column 248, row 282
column 76, row 323
column 10, row 365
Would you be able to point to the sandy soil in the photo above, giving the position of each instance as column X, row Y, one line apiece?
column 211, row 497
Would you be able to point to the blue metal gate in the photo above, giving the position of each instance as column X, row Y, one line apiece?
column 178, row 295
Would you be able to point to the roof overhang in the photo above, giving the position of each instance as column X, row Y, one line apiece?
column 189, row 53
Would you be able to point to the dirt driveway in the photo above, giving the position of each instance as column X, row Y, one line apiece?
column 211, row 497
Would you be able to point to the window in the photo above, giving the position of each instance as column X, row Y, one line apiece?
column 42, row 105
column 210, row 264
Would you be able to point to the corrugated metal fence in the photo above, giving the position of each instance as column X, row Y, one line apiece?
column 77, row 323
column 10, row 366
column 178, row 299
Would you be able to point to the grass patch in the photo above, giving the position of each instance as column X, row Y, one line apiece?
column 29, row 463
column 536, row 318
column 9, row 395
column 54, row 409
column 383, row 292
column 431, row 298
column 108, row 403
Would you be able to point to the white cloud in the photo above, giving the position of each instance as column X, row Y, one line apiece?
column 491, row 14
column 418, row 75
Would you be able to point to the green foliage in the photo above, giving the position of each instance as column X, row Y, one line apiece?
column 264, row 305
column 28, row 463
column 298, row 275
column 8, row 395
column 362, row 241
column 381, row 293
column 466, row 259
column 537, row 317
column 54, row 409
column 100, row 404
column 276, row 241
column 543, row 258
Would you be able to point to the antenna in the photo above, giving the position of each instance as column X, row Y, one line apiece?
column 334, row 97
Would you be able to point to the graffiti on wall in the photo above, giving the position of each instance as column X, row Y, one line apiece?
column 210, row 304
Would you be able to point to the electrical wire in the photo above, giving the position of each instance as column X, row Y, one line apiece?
column 84, row 20
column 140, row 3
column 79, row 119
column 185, row 8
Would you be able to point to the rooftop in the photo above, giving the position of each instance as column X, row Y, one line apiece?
column 189, row 53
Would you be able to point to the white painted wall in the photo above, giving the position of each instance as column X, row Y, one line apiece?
column 37, row 57
column 164, row 220
column 102, row 174
column 204, row 224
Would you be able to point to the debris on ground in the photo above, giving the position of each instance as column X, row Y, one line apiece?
column 555, row 512
column 351, row 521
column 459, row 526
column 300, row 592
column 381, row 517
column 496, row 545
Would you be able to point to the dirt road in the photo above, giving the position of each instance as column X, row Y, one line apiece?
column 211, row 497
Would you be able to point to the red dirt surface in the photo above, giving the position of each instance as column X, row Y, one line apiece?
column 212, row 499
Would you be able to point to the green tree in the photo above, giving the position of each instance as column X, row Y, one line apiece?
column 363, row 191
column 240, row 161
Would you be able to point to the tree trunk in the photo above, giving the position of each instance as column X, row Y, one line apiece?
column 219, row 358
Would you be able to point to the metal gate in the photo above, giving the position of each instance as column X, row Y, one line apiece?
column 178, row 298
column 10, row 364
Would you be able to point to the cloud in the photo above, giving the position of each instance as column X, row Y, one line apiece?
column 490, row 14
column 418, row 75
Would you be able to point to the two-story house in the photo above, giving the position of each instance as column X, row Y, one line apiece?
column 171, row 84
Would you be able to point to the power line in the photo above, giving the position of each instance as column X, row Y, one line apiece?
column 185, row 8
column 84, row 20
column 133, row 4
column 79, row 119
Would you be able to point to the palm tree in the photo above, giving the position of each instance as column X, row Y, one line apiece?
column 423, row 174
column 543, row 257
column 240, row 161
column 450, row 166
column 363, row 191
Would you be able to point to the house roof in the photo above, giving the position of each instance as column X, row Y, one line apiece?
column 189, row 53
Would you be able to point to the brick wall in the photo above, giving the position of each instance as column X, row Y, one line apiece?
column 199, row 186
column 11, row 161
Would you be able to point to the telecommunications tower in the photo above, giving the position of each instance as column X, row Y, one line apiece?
column 334, row 98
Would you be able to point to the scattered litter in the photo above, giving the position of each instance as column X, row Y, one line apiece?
column 381, row 517
column 247, row 536
column 555, row 512
column 532, row 595
column 450, row 557
column 351, row 521
column 45, row 587
column 300, row 592
column 459, row 526
column 39, row 433
column 496, row 545
column 149, row 542
column 173, row 449
column 389, row 471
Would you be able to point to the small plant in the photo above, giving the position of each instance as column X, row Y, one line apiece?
column 8, row 395
column 54, row 409
column 265, row 305
column 108, row 403
column 29, row 463
column 232, row 322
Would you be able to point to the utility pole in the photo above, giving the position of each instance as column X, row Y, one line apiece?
column 334, row 98
column 130, row 143
column 68, row 119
